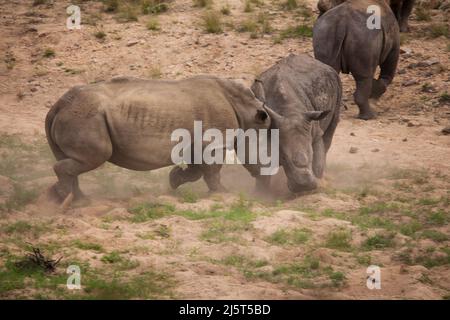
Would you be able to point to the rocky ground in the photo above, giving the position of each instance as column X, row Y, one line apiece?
column 384, row 199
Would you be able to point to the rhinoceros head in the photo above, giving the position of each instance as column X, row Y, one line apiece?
column 297, row 135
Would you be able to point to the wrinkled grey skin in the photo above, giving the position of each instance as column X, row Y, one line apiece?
column 325, row 5
column 129, row 122
column 304, row 96
column 342, row 40
column 401, row 8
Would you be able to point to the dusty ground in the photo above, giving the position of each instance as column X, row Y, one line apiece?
column 385, row 203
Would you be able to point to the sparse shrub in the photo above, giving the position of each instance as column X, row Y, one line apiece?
column 120, row 262
column 149, row 211
column 153, row 24
column 337, row 278
column 154, row 6
column 248, row 6
column 203, row 3
column 127, row 13
column 24, row 228
column 9, row 60
column 212, row 22
column 49, row 53
column 100, row 35
column 438, row 30
column 163, row 231
column 155, row 72
column 248, row 26
column 297, row 31
column 409, row 229
column 263, row 20
column 112, row 257
column 444, row 98
column 20, row 197
column 111, row 5
column 423, row 14
column 88, row 246
column 339, row 239
column 437, row 218
column 260, row 25
column 39, row 2
column 225, row 10
column 435, row 235
column 290, row 237
column 290, row 4
column 188, row 195
column 379, row 241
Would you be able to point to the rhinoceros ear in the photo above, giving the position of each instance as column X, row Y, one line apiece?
column 274, row 116
column 316, row 115
column 261, row 116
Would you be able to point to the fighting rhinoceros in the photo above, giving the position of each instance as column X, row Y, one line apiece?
column 401, row 8
column 129, row 122
column 304, row 96
column 342, row 39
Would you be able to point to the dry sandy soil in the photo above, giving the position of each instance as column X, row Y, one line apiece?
column 384, row 203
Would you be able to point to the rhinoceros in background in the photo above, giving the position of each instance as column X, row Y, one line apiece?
column 401, row 8
column 129, row 121
column 342, row 39
column 304, row 96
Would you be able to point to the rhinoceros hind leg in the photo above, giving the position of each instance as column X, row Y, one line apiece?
column 362, row 94
column 378, row 89
column 67, row 171
column 211, row 175
column 179, row 176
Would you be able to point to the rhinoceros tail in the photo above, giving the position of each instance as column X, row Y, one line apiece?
column 58, row 153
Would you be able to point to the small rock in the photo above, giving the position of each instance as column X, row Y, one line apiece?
column 405, row 139
column 405, row 50
column 410, row 82
column 132, row 43
column 428, row 63
column 413, row 124
column 353, row 150
column 446, row 130
column 376, row 150
column 401, row 71
column 352, row 134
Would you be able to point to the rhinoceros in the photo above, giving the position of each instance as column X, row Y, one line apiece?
column 303, row 97
column 401, row 8
column 343, row 40
column 129, row 121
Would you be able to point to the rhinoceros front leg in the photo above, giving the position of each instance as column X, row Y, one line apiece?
column 211, row 175
column 179, row 176
column 362, row 94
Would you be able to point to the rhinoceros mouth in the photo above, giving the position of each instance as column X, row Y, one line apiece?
column 300, row 182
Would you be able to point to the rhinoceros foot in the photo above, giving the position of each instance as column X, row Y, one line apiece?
column 367, row 115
